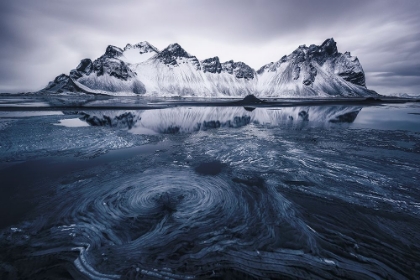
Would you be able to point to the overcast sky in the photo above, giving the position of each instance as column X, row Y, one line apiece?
column 43, row 38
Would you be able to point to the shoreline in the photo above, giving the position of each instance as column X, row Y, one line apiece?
column 20, row 102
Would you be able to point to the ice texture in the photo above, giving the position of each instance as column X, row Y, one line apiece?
column 214, row 192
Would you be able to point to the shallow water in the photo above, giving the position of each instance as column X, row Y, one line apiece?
column 389, row 117
column 309, row 192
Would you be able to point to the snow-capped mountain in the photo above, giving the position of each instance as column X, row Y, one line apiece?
column 143, row 69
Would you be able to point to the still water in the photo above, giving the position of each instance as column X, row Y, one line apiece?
column 308, row 192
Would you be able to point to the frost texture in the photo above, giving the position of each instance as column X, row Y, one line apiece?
column 298, row 193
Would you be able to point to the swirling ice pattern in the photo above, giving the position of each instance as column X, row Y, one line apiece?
column 178, row 224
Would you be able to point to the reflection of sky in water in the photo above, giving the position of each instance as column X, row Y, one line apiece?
column 11, row 100
column 18, row 114
column 389, row 117
column 76, row 122
column 24, row 104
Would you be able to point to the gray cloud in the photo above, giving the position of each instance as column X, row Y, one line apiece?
column 41, row 39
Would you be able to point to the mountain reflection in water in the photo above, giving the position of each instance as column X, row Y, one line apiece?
column 185, row 120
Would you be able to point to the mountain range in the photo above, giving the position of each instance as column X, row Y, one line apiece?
column 142, row 69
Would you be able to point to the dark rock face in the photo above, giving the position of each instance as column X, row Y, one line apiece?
column 296, row 73
column 60, row 84
column 357, row 78
column 107, row 64
column 320, row 54
column 212, row 65
column 351, row 69
column 113, row 67
column 63, row 78
column 173, row 52
column 329, row 47
column 310, row 74
column 84, row 68
column 113, row 52
column 298, row 55
column 169, row 55
column 239, row 69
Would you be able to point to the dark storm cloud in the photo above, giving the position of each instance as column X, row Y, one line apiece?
column 43, row 38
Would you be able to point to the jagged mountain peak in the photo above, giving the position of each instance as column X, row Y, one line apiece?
column 240, row 69
column 211, row 65
column 175, row 50
column 134, row 54
column 113, row 51
column 143, row 47
column 329, row 46
column 319, row 54
column 329, row 41
column 215, row 58
column 311, row 68
column 352, row 58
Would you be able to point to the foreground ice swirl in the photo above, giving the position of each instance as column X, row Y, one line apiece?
column 216, row 193
column 179, row 224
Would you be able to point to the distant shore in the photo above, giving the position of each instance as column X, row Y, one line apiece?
column 20, row 102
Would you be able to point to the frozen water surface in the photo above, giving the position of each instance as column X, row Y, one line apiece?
column 297, row 192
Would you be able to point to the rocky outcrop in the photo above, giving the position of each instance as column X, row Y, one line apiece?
column 212, row 65
column 239, row 69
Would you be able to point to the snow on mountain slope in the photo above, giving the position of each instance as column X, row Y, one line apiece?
column 184, row 76
column 143, row 69
column 138, row 53
column 313, row 71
